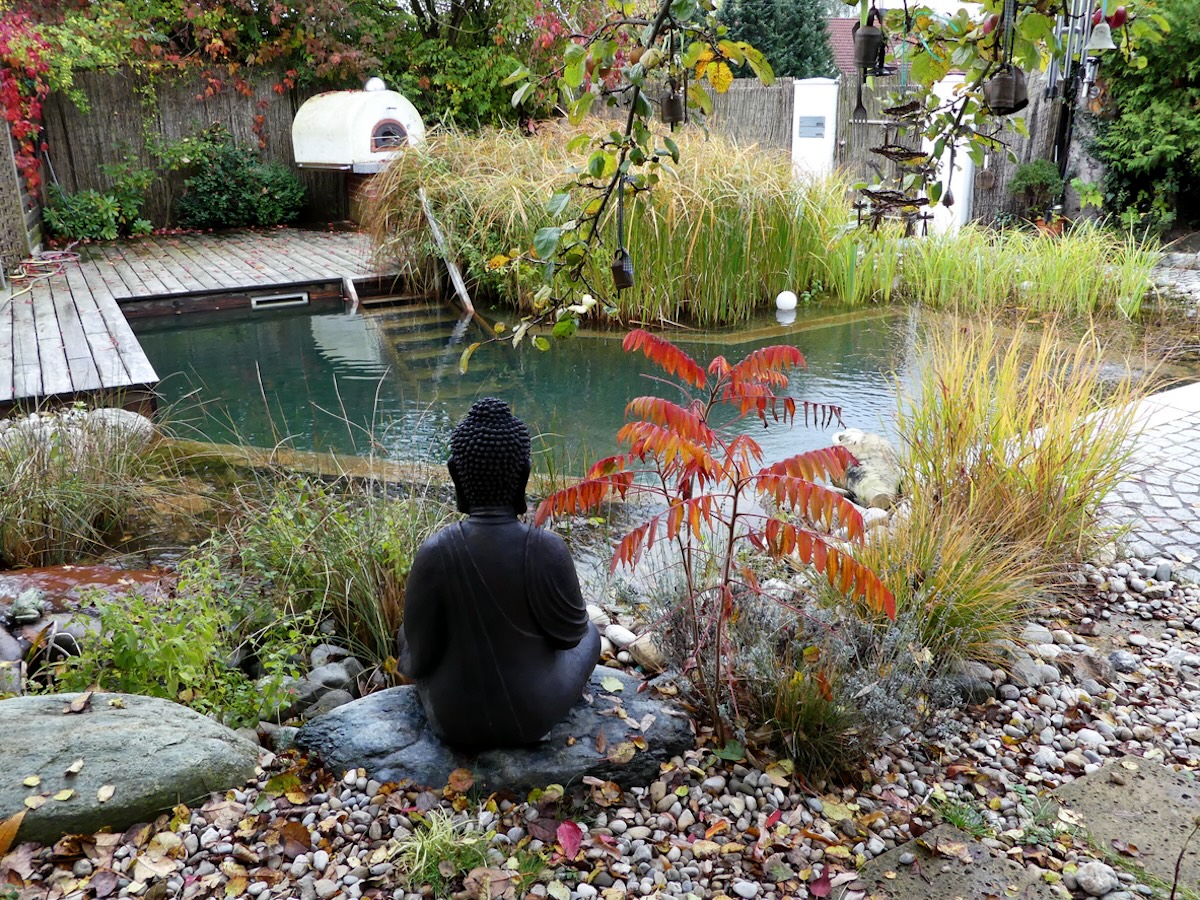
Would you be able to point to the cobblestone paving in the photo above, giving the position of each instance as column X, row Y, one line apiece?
column 1178, row 275
column 1161, row 500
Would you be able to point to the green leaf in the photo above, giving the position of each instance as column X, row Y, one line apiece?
column 581, row 107
column 521, row 72
column 545, row 241
column 683, row 10
column 465, row 359
column 691, row 55
column 699, row 97
column 641, row 106
column 758, row 64
column 556, row 204
column 521, row 93
column 731, row 752
column 573, row 74
column 612, row 685
column 672, row 148
column 574, row 53
column 564, row 328
column 578, row 142
column 541, row 343
column 597, row 163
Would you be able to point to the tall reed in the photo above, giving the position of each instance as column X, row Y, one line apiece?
column 721, row 235
column 730, row 227
column 68, row 482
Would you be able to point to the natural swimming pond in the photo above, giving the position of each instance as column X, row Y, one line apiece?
column 387, row 382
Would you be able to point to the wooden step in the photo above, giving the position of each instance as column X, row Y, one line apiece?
column 385, row 301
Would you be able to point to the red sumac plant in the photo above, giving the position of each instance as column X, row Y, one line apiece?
column 714, row 493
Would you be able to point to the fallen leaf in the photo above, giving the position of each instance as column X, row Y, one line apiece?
column 601, row 741
column 8, row 830
column 103, row 883
column 32, row 781
column 955, row 850
column 460, row 780
column 79, row 703
column 105, row 793
column 64, row 794
column 705, row 849
column 622, row 753
column 570, row 836
column 236, row 887
column 36, row 801
column 836, row 812
column 716, row 828
column 75, row 768
column 612, row 685
column 116, row 703
column 820, row 886
column 558, row 890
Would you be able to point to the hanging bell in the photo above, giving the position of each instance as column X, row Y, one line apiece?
column 671, row 106
column 868, row 41
column 1101, row 38
column 1005, row 92
column 622, row 269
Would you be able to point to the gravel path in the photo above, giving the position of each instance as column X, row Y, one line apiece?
column 1121, row 679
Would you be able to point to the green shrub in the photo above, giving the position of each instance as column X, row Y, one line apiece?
column 1038, row 183
column 341, row 554
column 101, row 215
column 69, row 482
column 232, row 188
column 179, row 649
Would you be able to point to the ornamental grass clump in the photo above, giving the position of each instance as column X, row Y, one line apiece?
column 339, row 552
column 1020, row 438
column 726, row 228
column 68, row 483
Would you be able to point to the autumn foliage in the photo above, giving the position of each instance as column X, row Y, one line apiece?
column 716, row 491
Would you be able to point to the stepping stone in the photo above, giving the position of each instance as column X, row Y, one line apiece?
column 1141, row 803
column 387, row 734
column 949, row 864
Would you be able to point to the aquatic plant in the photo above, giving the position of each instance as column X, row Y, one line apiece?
column 68, row 484
column 729, row 227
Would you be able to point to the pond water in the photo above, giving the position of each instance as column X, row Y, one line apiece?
column 387, row 382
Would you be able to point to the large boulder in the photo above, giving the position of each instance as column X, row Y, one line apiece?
column 387, row 734
column 153, row 753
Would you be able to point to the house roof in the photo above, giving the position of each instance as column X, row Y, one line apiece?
column 841, row 41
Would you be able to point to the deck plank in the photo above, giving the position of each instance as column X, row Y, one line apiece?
column 110, row 367
column 6, row 345
column 52, row 355
column 82, row 365
column 189, row 266
column 27, row 367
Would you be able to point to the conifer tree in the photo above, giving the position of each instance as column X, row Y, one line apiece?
column 790, row 33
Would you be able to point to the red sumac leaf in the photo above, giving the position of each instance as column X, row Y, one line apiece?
column 666, row 356
column 570, row 837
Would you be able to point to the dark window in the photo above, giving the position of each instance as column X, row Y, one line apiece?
column 388, row 135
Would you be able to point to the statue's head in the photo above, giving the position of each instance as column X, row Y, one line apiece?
column 489, row 457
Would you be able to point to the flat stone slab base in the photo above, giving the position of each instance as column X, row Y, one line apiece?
column 949, row 864
column 387, row 734
column 1145, row 804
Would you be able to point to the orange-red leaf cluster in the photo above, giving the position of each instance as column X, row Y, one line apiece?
column 842, row 571
column 666, row 356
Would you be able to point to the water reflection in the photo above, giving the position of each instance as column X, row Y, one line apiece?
column 362, row 384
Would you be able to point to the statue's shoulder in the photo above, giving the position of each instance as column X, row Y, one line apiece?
column 546, row 540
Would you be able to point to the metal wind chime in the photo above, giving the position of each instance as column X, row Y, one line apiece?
column 1005, row 92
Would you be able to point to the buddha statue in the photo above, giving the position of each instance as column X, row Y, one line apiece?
column 496, row 635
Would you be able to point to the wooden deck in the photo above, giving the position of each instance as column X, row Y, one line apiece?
column 66, row 336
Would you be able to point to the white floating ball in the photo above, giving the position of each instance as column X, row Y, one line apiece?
column 785, row 300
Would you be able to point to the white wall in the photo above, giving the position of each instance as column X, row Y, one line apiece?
column 961, row 180
column 815, row 98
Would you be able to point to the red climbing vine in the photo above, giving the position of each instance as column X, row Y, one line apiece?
column 23, row 87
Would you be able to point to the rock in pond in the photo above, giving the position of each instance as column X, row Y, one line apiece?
column 387, row 734
column 154, row 753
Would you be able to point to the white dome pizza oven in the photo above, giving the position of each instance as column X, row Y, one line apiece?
column 355, row 131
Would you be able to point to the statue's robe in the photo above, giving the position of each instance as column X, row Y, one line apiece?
column 496, row 633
